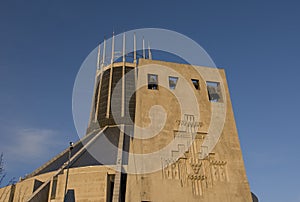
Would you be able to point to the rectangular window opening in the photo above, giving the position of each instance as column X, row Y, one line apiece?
column 123, row 186
column 110, row 187
column 152, row 81
column 196, row 84
column 214, row 91
column 172, row 82
column 54, row 187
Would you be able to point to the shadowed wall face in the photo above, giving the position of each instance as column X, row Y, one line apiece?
column 117, row 95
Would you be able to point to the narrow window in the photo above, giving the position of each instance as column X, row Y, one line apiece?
column 196, row 83
column 214, row 91
column 53, row 190
column 110, row 187
column 172, row 82
column 152, row 82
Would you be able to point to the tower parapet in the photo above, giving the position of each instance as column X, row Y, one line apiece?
column 110, row 79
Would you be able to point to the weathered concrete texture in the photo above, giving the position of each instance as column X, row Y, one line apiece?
column 7, row 193
column 218, row 177
column 89, row 184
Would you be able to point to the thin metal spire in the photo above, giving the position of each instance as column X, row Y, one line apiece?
column 104, row 50
column 112, row 48
column 144, row 54
column 98, row 58
column 124, row 46
column 134, row 48
column 149, row 51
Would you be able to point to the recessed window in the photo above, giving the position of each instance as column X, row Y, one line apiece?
column 172, row 82
column 54, row 186
column 152, row 81
column 214, row 91
column 196, row 84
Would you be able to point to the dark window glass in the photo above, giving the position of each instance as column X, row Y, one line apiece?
column 152, row 81
column 172, row 82
column 214, row 91
column 196, row 84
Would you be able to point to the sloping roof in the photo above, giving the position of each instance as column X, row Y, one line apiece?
column 110, row 134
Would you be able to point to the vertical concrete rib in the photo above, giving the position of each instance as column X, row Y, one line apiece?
column 117, row 185
column 123, row 77
column 111, row 74
column 109, row 91
column 98, row 98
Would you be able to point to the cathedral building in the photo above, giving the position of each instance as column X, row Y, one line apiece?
column 159, row 131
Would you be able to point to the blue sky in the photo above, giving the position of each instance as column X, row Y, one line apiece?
column 43, row 43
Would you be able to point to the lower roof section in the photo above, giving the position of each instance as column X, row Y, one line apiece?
column 93, row 149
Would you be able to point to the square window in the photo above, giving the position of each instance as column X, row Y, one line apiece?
column 152, row 81
column 172, row 82
column 214, row 91
column 196, row 84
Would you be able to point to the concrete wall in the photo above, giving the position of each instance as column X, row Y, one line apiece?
column 6, row 193
column 88, row 183
column 221, row 175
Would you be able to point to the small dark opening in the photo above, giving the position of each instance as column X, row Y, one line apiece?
column 53, row 190
column 70, row 196
column 123, row 186
column 196, row 84
column 110, row 187
column 214, row 91
column 152, row 82
column 37, row 184
column 172, row 82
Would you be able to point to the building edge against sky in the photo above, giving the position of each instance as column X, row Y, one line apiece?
column 122, row 114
